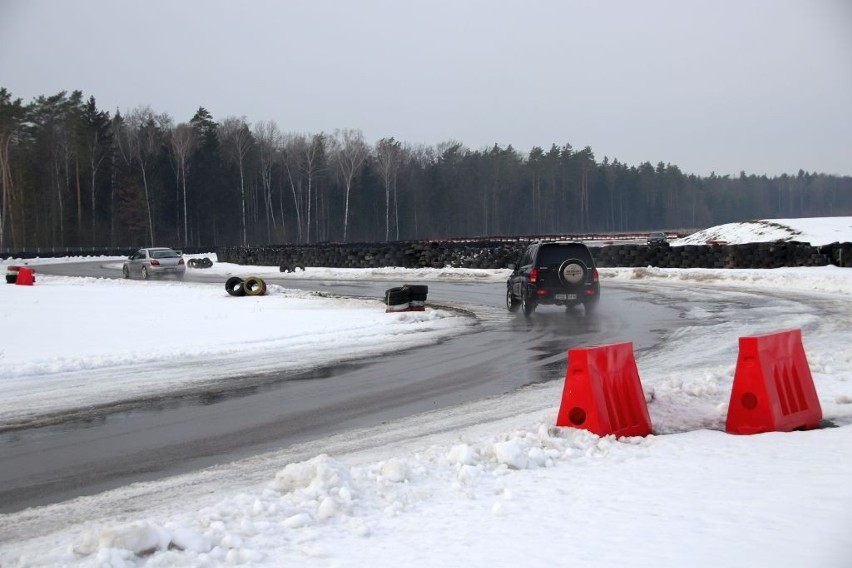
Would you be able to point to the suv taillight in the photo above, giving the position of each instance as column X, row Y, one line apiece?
column 594, row 274
column 533, row 275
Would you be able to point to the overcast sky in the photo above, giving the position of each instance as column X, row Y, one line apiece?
column 761, row 86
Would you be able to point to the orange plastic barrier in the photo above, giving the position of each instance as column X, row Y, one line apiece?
column 773, row 389
column 25, row 277
column 603, row 393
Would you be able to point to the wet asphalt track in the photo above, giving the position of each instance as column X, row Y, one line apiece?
column 169, row 436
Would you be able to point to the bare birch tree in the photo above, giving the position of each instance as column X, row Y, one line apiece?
column 139, row 143
column 269, row 142
column 291, row 156
column 182, row 142
column 350, row 152
column 389, row 159
column 237, row 141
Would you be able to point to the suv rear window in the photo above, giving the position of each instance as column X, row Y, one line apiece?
column 556, row 253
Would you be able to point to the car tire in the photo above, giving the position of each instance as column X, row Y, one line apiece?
column 512, row 303
column 125, row 271
column 145, row 273
column 192, row 263
column 254, row 286
column 528, row 305
column 235, row 286
column 572, row 272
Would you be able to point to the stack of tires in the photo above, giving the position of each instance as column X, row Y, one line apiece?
column 251, row 286
column 407, row 298
column 199, row 262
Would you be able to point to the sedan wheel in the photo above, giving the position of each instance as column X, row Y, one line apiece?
column 125, row 271
column 145, row 272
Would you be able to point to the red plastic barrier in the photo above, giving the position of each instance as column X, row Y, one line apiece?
column 603, row 393
column 773, row 389
column 25, row 277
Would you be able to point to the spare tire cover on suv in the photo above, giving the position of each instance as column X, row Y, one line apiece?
column 572, row 271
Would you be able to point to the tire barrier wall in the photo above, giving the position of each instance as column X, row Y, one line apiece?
column 773, row 389
column 491, row 254
column 602, row 392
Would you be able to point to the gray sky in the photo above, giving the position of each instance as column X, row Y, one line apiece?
column 763, row 86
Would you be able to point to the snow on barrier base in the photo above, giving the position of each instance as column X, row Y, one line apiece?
column 773, row 389
column 603, row 393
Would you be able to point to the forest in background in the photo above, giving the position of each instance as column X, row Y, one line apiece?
column 75, row 175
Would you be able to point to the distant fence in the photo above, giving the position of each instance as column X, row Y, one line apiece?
column 499, row 253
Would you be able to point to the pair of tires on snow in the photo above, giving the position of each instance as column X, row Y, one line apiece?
column 199, row 262
column 251, row 286
column 408, row 298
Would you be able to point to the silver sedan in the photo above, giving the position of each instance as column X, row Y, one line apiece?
column 149, row 262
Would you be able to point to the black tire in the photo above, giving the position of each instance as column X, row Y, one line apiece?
column 397, row 296
column 12, row 278
column 572, row 272
column 254, row 286
column 235, row 286
column 125, row 271
column 285, row 268
column 512, row 303
column 191, row 263
column 417, row 292
column 528, row 305
column 206, row 262
column 145, row 273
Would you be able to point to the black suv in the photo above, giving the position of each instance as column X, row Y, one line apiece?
column 558, row 273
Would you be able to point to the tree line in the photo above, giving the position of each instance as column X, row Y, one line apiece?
column 75, row 175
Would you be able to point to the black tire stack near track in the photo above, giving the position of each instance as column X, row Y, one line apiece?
column 199, row 262
column 417, row 297
column 397, row 299
column 407, row 298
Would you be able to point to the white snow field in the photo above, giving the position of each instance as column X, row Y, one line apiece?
column 491, row 483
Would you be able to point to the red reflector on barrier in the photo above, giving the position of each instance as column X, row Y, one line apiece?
column 773, row 389
column 603, row 393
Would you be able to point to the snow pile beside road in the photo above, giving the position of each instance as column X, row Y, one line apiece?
column 817, row 231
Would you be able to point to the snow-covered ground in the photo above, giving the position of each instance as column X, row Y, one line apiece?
column 492, row 483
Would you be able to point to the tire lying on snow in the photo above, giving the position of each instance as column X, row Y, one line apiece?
column 235, row 286
column 254, row 286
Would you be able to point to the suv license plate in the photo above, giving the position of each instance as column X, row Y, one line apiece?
column 565, row 296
